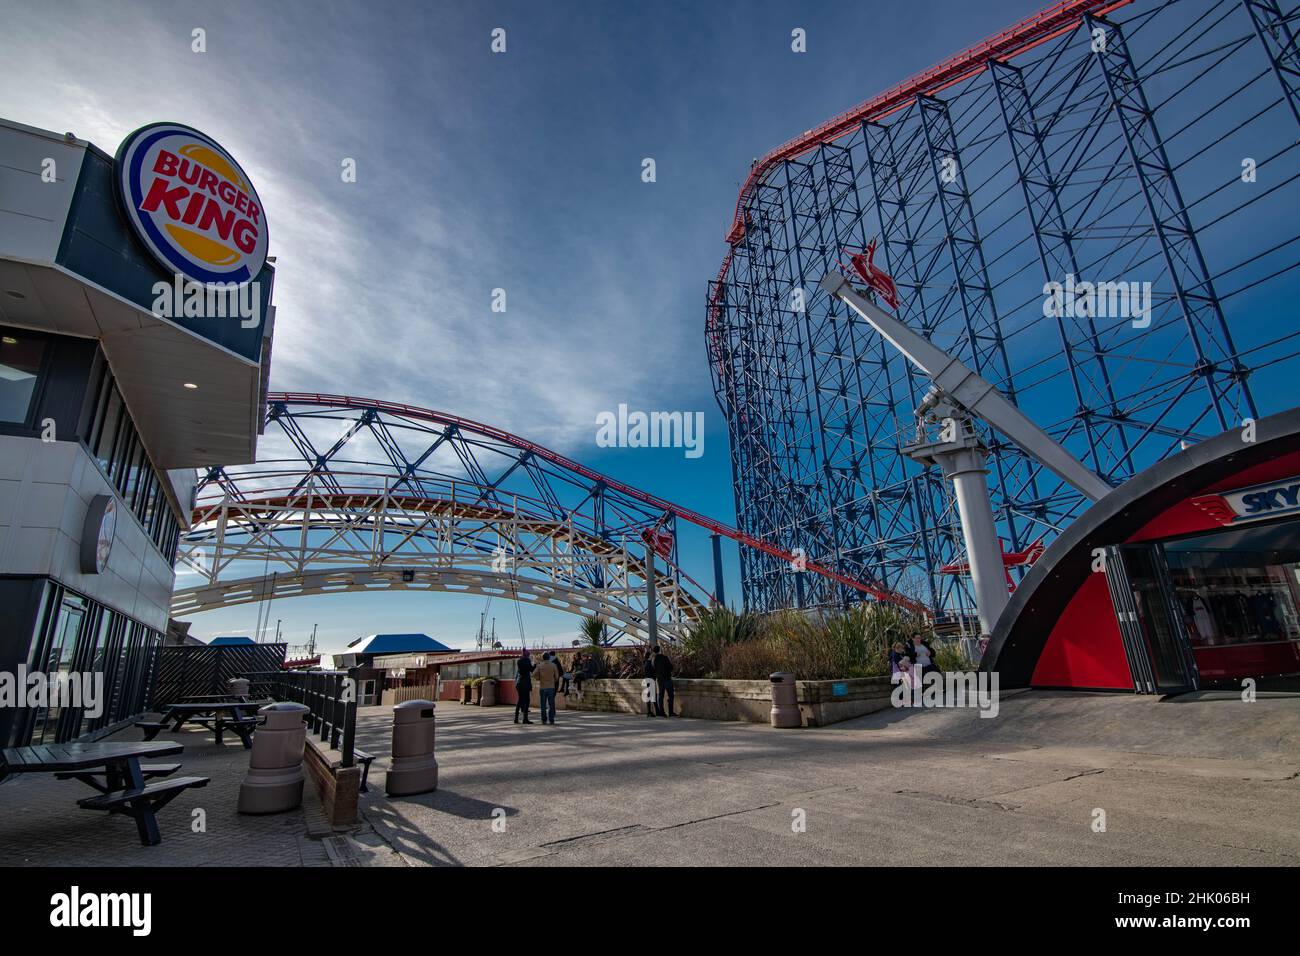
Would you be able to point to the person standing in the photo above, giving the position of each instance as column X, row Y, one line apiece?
column 664, row 682
column 548, row 682
column 523, row 685
column 649, row 690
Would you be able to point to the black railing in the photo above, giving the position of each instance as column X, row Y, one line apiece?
column 330, row 696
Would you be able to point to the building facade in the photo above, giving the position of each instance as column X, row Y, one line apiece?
column 115, row 386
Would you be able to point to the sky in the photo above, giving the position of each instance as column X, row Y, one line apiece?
column 476, row 171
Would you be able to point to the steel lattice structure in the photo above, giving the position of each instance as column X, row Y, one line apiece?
column 375, row 496
column 363, row 495
column 1134, row 141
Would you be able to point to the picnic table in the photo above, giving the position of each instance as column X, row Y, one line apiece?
column 217, row 715
column 114, row 769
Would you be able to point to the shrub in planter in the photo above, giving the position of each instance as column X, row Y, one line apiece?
column 716, row 629
column 752, row 660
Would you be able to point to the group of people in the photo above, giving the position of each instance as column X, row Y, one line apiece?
column 552, row 679
column 910, row 662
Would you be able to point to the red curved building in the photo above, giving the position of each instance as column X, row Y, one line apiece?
column 1188, row 574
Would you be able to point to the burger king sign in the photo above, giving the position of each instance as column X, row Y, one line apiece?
column 191, row 204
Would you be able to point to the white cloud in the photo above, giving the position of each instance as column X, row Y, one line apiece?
column 383, row 287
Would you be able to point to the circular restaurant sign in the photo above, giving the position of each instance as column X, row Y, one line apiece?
column 98, row 531
column 191, row 204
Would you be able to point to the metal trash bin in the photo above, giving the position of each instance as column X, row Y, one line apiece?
column 785, row 701
column 275, row 778
column 414, row 768
column 239, row 686
column 488, row 694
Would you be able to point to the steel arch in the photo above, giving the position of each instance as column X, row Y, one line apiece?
column 366, row 495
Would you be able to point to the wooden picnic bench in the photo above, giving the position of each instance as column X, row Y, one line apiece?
column 365, row 759
column 217, row 716
column 114, row 769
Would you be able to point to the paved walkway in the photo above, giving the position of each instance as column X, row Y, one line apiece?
column 1199, row 781
column 1210, row 781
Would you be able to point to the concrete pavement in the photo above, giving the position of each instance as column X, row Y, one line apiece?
column 1207, row 781
column 1204, row 780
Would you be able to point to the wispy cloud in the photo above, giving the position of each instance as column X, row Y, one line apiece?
column 384, row 286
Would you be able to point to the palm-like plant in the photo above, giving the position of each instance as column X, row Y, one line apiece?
column 715, row 629
column 593, row 629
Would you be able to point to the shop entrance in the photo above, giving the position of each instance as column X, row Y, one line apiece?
column 1155, row 642
column 1209, row 607
column 1239, row 593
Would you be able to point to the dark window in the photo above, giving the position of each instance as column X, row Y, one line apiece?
column 22, row 356
column 105, row 435
column 116, row 445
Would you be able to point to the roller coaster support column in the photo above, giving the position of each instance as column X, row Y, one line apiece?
column 651, row 607
column 719, row 597
column 962, row 457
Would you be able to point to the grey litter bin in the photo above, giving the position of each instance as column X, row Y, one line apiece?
column 239, row 686
column 785, row 701
column 275, row 778
column 414, row 768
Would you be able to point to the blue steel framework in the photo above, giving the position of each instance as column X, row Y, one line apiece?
column 1137, row 142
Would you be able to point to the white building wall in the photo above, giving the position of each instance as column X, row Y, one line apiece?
column 45, row 491
column 33, row 210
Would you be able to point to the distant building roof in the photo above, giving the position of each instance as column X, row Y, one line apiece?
column 235, row 639
column 397, row 644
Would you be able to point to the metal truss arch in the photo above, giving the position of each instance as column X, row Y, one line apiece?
column 357, row 495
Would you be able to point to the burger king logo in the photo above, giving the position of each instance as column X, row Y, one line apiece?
column 191, row 204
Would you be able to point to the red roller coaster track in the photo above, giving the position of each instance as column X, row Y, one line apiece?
column 1024, row 36
column 695, row 518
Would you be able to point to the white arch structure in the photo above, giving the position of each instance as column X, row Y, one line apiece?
column 369, row 495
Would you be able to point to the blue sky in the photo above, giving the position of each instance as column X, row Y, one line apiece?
column 476, row 171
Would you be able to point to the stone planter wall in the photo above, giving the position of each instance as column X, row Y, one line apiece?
column 820, row 702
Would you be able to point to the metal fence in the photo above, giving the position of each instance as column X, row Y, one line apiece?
column 399, row 695
column 330, row 696
column 195, row 671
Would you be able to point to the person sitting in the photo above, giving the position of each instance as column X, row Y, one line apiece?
column 568, row 672
column 897, row 655
column 582, row 673
column 922, row 654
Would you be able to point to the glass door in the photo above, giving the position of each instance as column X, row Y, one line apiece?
column 1155, row 640
column 58, row 665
